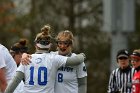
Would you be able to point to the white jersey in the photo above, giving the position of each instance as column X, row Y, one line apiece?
column 66, row 79
column 7, row 61
column 40, row 74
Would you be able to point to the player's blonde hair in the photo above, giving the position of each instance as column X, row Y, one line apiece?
column 68, row 35
column 44, row 34
column 137, row 50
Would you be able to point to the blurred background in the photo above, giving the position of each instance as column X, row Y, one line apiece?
column 101, row 28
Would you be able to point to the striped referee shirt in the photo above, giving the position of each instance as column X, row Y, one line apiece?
column 120, row 80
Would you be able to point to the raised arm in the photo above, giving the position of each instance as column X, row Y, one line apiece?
column 71, row 61
column 75, row 60
column 14, row 83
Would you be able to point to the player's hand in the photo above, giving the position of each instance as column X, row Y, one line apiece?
column 25, row 60
column 83, row 55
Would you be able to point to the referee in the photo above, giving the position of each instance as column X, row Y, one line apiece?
column 120, row 78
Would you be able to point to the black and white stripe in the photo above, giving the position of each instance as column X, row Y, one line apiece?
column 120, row 80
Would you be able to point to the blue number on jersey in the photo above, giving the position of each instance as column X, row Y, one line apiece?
column 60, row 77
column 31, row 82
column 45, row 76
column 40, row 69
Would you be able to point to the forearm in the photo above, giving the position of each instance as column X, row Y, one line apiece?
column 82, row 85
column 3, row 82
column 15, row 81
column 3, row 87
column 75, row 60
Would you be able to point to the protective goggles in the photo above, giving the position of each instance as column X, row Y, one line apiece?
column 43, row 42
column 66, row 43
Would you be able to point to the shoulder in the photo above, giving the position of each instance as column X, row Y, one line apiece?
column 115, row 71
column 3, row 48
column 38, row 56
column 73, row 54
column 54, row 52
column 137, row 74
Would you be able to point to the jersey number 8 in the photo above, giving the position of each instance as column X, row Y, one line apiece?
column 60, row 77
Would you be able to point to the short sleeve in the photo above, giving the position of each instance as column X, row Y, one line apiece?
column 2, row 61
column 81, row 70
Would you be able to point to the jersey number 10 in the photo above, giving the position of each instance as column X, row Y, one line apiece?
column 40, row 76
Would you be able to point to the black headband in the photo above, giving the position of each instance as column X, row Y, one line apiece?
column 68, row 41
column 43, row 42
column 21, row 49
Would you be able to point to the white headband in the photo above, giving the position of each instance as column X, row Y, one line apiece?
column 43, row 46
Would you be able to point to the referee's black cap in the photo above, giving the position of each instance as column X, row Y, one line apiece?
column 122, row 53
